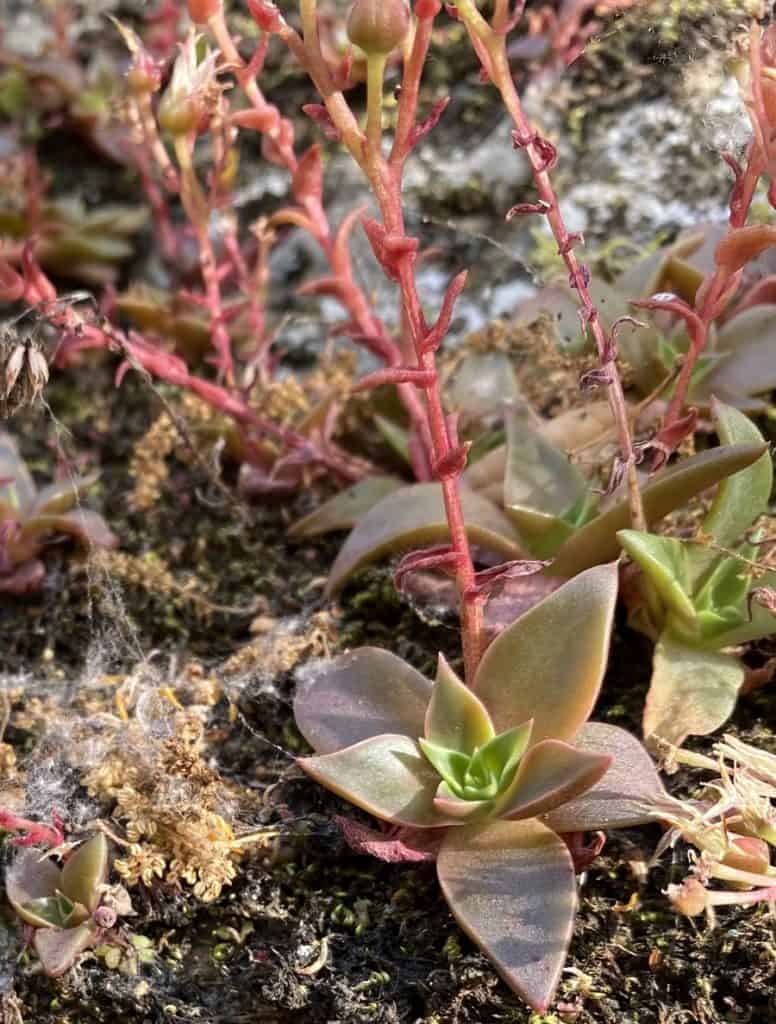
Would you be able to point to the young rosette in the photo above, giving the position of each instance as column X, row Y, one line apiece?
column 504, row 767
column 70, row 908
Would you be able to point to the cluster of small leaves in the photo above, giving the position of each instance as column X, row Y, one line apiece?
column 699, row 597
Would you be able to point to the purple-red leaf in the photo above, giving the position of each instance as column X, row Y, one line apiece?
column 366, row 693
column 551, row 773
column 622, row 797
column 511, row 888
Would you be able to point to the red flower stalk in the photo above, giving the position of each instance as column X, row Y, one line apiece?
column 489, row 41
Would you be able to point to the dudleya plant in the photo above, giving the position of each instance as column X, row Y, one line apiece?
column 503, row 769
column 549, row 510
column 31, row 517
column 700, row 594
column 69, row 908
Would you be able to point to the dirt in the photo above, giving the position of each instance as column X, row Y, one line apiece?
column 309, row 932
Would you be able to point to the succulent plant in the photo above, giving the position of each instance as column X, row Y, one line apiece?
column 69, row 908
column 550, row 511
column 737, row 365
column 701, row 598
column 503, row 769
column 30, row 518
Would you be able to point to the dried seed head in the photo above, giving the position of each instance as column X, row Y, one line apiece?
column 378, row 26
column 24, row 371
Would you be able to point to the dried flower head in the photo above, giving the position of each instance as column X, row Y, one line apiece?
column 194, row 88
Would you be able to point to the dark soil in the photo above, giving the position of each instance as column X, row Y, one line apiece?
column 309, row 932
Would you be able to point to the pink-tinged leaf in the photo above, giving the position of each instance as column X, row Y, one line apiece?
column 749, row 366
column 25, row 579
column 19, row 493
column 31, row 876
column 387, row 776
column 345, row 509
column 742, row 245
column 551, row 773
column 456, row 718
column 667, row 490
column 59, row 497
column 366, row 693
column 513, row 599
column 394, row 845
column 624, row 794
column 307, row 182
column 85, row 871
column 82, row 524
column 59, row 948
column 451, row 806
column 548, row 665
column 414, row 517
column 692, row 692
column 511, row 888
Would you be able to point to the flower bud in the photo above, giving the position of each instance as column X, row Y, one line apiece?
column 747, row 853
column 690, row 898
column 378, row 26
column 201, row 11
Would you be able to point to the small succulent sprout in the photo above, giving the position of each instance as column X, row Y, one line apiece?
column 30, row 517
column 378, row 26
column 701, row 598
column 502, row 768
column 68, row 908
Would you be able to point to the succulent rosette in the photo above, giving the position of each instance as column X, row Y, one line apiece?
column 506, row 767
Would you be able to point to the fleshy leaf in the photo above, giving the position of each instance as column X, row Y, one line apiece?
column 20, row 492
column 367, row 692
column 456, row 718
column 449, row 804
column 59, row 497
column 743, row 496
column 548, row 665
column 82, row 524
column 748, row 341
column 31, row 877
column 622, row 796
column 46, row 912
column 669, row 489
column 692, row 692
column 540, row 485
column 388, row 776
column 59, row 948
column 551, row 773
column 451, row 764
column 511, row 888
column 761, row 624
column 501, row 756
column 482, row 383
column 345, row 509
column 664, row 560
column 85, row 871
column 396, row 437
column 414, row 517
